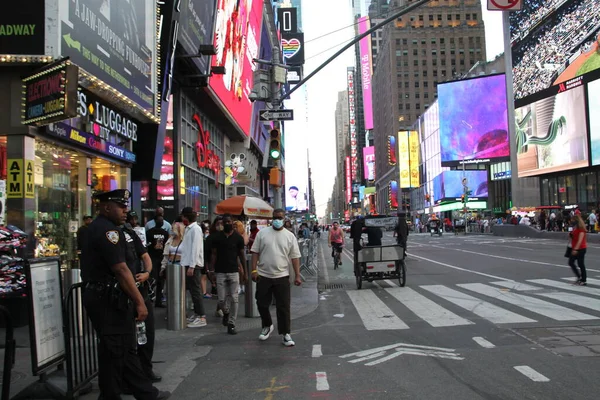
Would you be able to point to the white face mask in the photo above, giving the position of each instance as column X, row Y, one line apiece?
column 277, row 223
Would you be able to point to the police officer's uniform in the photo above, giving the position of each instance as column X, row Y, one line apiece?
column 110, row 310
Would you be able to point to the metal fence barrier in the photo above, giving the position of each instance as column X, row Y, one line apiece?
column 9, row 352
column 308, row 253
column 81, row 343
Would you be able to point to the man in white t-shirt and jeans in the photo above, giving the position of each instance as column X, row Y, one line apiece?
column 274, row 249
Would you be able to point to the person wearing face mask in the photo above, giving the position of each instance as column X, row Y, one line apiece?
column 227, row 248
column 207, row 274
column 273, row 251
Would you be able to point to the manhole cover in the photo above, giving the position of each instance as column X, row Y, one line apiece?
column 14, row 376
column 334, row 286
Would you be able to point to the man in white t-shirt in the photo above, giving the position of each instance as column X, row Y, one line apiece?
column 273, row 250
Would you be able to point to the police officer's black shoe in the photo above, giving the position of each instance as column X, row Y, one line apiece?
column 154, row 378
column 163, row 395
column 225, row 319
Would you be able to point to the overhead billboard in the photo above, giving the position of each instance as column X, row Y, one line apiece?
column 552, row 133
column 196, row 27
column 115, row 42
column 408, row 154
column 260, row 130
column 450, row 185
column 594, row 104
column 237, row 31
column 391, row 150
column 22, row 29
column 292, row 45
column 352, row 114
column 369, row 163
column 348, row 180
column 393, row 195
column 366, row 71
column 473, row 117
column 543, row 54
column 413, row 150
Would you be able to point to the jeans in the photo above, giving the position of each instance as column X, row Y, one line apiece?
column 192, row 283
column 227, row 290
column 580, row 263
column 266, row 289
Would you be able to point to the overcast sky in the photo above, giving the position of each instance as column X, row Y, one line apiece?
column 317, row 131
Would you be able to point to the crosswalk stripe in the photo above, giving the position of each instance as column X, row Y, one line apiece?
column 550, row 310
column 489, row 311
column 581, row 301
column 373, row 311
column 588, row 280
column 432, row 313
column 566, row 286
column 516, row 285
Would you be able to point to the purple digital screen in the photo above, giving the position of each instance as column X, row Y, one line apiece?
column 474, row 121
column 449, row 185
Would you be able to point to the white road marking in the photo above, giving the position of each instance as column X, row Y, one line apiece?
column 483, row 343
column 531, row 373
column 391, row 283
column 338, row 315
column 461, row 269
column 593, row 281
column 516, row 285
column 316, row 351
column 479, row 307
column 432, row 313
column 322, row 383
column 550, row 310
column 581, row 301
column 400, row 349
column 374, row 313
column 566, row 286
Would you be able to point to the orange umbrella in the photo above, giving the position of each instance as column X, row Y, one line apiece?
column 249, row 206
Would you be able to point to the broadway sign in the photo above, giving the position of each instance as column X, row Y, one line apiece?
column 114, row 41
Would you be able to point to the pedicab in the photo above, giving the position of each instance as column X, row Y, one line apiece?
column 380, row 262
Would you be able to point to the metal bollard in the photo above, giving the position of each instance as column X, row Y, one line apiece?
column 176, row 297
column 250, row 291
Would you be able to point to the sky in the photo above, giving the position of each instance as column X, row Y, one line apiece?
column 313, row 128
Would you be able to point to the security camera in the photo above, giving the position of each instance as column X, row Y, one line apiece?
column 253, row 96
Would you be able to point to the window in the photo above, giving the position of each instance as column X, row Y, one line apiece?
column 416, row 63
column 449, row 17
column 414, row 41
column 452, row 52
column 435, row 72
column 400, row 107
column 431, row 17
column 433, row 41
column 444, row 62
column 423, row 41
column 425, row 73
column 418, row 106
column 475, row 17
column 460, row 40
column 462, row 62
column 451, row 40
column 423, row 62
column 416, row 75
column 406, row 63
column 442, row 40
column 405, row 42
column 416, row 84
column 406, row 85
column 426, row 95
column 420, row 18
column 415, row 52
column 443, row 52
column 407, row 96
column 397, row 42
column 407, row 106
column 434, row 62
column 404, row 52
column 439, row 18
column 398, row 53
column 453, row 62
column 468, row 17
column 423, row 52
column 417, row 95
column 458, row 17
column 425, row 84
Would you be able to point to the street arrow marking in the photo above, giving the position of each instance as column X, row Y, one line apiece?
column 381, row 354
column 276, row 115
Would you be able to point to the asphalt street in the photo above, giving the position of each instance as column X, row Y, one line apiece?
column 480, row 318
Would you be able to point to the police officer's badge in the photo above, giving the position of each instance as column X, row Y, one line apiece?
column 113, row 236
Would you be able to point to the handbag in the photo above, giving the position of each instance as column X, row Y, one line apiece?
column 569, row 250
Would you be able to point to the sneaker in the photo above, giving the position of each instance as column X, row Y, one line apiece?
column 191, row 318
column 225, row 319
column 199, row 322
column 287, row 340
column 265, row 333
column 219, row 313
column 207, row 295
column 582, row 283
column 231, row 329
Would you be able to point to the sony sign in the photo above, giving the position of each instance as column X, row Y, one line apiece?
column 107, row 119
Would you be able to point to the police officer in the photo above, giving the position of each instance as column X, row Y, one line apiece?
column 137, row 255
column 113, row 302
column 401, row 230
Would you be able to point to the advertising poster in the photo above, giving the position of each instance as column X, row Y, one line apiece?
column 404, row 157
column 22, row 30
column 391, row 150
column 348, row 181
column 449, row 185
column 552, row 134
column 352, row 114
column 260, row 131
column 369, row 163
column 292, row 45
column 473, row 117
column 366, row 71
column 196, row 27
column 413, row 148
column 237, row 32
column 114, row 41
column 393, row 195
column 594, row 104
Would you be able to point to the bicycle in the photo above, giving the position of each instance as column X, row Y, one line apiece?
column 337, row 255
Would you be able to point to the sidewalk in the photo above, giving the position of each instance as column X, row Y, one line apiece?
column 176, row 352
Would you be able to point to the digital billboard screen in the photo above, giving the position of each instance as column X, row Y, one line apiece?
column 553, row 41
column 473, row 117
column 369, row 163
column 237, row 33
column 366, row 71
column 552, row 133
column 449, row 185
column 594, row 104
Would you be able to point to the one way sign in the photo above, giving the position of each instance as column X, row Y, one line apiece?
column 276, row 115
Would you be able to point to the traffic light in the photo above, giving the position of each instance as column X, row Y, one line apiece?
column 275, row 146
column 462, row 198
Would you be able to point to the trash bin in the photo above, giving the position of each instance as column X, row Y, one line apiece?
column 176, row 297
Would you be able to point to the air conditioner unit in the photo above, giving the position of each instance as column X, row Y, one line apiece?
column 244, row 190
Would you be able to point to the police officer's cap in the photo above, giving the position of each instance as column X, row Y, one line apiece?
column 120, row 196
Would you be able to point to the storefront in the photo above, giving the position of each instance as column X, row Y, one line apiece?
column 572, row 188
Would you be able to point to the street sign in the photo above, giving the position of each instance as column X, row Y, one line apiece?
column 381, row 354
column 276, row 115
column 505, row 5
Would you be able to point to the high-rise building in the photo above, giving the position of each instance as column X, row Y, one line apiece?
column 342, row 142
column 434, row 43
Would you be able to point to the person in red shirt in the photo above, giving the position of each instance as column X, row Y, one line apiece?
column 578, row 250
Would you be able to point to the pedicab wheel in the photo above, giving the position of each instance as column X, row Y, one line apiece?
column 401, row 270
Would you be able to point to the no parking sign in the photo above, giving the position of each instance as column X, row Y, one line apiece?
column 505, row 5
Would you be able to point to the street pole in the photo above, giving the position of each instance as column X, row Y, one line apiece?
column 277, row 103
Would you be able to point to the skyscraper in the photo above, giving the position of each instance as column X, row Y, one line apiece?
column 342, row 143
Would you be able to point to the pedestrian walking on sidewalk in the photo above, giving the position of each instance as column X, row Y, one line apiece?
column 192, row 259
column 227, row 258
column 113, row 302
column 275, row 249
column 578, row 250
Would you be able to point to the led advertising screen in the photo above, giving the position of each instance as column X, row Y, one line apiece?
column 553, row 41
column 391, row 150
column 393, row 195
column 348, row 181
column 366, row 70
column 552, row 133
column 404, row 159
column 237, row 33
column 474, row 121
column 594, row 104
column 449, row 185
column 369, row 163
column 352, row 114
column 114, row 41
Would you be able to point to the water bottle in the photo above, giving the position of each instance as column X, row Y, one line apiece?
column 141, row 333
